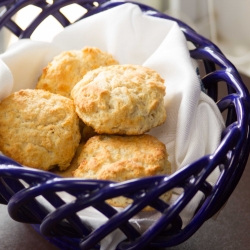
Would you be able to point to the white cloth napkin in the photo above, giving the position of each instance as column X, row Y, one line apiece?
column 193, row 125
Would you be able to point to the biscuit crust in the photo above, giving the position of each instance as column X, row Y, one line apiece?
column 66, row 69
column 39, row 129
column 120, row 158
column 120, row 99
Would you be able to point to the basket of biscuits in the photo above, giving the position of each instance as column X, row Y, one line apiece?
column 112, row 134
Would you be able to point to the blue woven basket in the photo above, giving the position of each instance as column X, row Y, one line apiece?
column 64, row 228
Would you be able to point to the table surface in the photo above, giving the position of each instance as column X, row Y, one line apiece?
column 230, row 231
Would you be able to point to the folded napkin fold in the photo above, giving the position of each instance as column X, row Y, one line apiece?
column 194, row 124
column 6, row 80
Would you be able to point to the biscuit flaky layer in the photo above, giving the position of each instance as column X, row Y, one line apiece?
column 120, row 158
column 39, row 129
column 121, row 99
column 66, row 69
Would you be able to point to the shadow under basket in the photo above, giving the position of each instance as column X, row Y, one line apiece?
column 20, row 187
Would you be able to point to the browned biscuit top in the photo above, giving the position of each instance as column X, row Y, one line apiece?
column 39, row 129
column 120, row 158
column 121, row 99
column 66, row 69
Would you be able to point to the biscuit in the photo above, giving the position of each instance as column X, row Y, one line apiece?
column 120, row 99
column 68, row 173
column 86, row 132
column 39, row 129
column 120, row 158
column 66, row 69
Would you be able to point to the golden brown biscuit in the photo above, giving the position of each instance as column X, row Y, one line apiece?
column 68, row 173
column 66, row 69
column 120, row 158
column 120, row 99
column 39, row 129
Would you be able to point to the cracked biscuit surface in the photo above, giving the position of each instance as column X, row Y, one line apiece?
column 39, row 129
column 120, row 158
column 66, row 69
column 121, row 99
